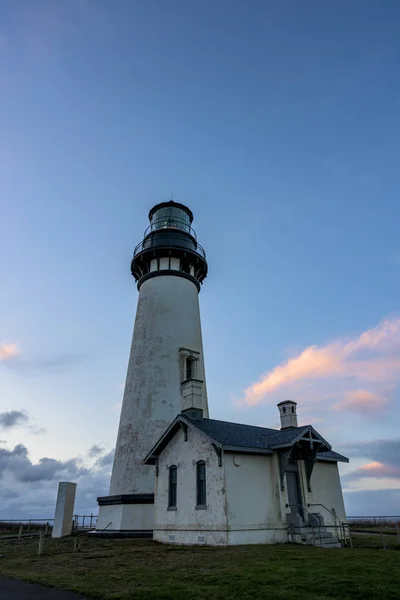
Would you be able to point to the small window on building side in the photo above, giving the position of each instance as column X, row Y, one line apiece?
column 172, row 487
column 201, row 483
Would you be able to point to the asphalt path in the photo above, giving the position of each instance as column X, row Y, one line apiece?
column 13, row 589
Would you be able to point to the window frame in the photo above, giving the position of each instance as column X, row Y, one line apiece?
column 201, row 484
column 172, row 487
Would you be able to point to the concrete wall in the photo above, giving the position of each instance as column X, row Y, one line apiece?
column 123, row 517
column 167, row 319
column 253, row 500
column 327, row 490
column 186, row 524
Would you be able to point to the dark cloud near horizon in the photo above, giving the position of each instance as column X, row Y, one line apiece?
column 18, row 463
column 384, row 451
column 29, row 490
column 13, row 418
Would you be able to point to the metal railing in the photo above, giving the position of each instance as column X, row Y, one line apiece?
column 155, row 243
column 338, row 523
column 84, row 522
column 310, row 515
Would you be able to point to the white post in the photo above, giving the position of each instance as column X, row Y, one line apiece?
column 64, row 509
column 20, row 532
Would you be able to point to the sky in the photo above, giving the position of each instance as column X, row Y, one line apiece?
column 277, row 122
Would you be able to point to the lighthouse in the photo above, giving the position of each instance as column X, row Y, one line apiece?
column 166, row 373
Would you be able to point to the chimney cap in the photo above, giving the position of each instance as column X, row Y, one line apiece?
column 287, row 402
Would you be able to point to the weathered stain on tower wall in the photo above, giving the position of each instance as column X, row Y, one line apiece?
column 167, row 319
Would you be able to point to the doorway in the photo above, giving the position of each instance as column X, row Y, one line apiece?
column 293, row 491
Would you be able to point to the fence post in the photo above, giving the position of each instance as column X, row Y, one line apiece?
column 41, row 541
column 83, row 522
column 91, row 518
column 20, row 531
column 383, row 539
column 29, row 525
column 46, row 529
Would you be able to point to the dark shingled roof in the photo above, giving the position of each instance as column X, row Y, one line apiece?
column 249, row 436
column 332, row 456
column 245, row 437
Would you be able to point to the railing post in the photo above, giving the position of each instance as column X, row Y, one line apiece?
column 41, row 542
column 350, row 538
column 91, row 518
column 83, row 522
column 383, row 539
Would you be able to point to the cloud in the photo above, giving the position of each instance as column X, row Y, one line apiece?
column 29, row 490
column 13, row 418
column 95, row 450
column 362, row 401
column 382, row 450
column 105, row 461
column 8, row 351
column 381, row 470
column 378, row 469
column 35, row 430
column 18, row 463
column 360, row 372
column 45, row 365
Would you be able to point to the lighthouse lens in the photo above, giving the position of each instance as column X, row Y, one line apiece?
column 170, row 218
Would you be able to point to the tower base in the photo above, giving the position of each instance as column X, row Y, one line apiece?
column 126, row 513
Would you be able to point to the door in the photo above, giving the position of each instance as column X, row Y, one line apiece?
column 293, row 489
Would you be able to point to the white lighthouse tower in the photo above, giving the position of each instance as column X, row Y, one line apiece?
column 166, row 365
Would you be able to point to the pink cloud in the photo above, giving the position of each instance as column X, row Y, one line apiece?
column 8, row 351
column 362, row 401
column 353, row 371
column 378, row 470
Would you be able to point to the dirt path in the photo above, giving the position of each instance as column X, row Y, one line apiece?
column 13, row 589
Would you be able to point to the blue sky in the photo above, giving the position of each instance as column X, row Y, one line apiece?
column 277, row 122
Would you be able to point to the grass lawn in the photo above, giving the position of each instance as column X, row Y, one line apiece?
column 145, row 570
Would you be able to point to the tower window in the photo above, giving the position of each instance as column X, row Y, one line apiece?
column 201, row 483
column 172, row 486
column 190, row 368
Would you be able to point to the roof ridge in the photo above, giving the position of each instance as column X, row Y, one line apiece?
column 233, row 423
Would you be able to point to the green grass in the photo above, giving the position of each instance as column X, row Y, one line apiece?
column 145, row 570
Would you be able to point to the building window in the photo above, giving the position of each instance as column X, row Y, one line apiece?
column 190, row 368
column 172, row 487
column 201, row 483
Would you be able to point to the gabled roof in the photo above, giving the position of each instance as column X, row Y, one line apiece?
column 238, row 437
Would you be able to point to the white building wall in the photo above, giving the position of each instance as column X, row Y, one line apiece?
column 123, row 517
column 186, row 524
column 254, row 512
column 167, row 319
column 327, row 490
